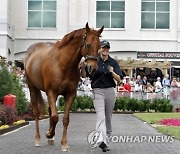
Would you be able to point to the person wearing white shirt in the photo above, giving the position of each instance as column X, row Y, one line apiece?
column 158, row 85
column 138, row 87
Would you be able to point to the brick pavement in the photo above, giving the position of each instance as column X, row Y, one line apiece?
column 81, row 124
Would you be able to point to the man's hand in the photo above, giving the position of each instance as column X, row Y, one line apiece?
column 115, row 76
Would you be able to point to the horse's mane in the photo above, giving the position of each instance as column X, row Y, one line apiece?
column 74, row 34
column 68, row 37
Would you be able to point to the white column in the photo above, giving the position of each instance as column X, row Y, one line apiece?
column 3, row 26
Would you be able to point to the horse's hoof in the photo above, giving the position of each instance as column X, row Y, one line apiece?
column 38, row 145
column 51, row 141
column 65, row 148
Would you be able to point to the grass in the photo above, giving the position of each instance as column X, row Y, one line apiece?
column 154, row 118
column 170, row 130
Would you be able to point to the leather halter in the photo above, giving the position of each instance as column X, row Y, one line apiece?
column 86, row 50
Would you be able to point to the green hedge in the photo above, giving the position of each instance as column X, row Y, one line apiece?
column 132, row 104
column 80, row 103
column 122, row 104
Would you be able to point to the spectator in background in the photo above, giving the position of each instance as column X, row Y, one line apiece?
column 138, row 87
column 132, row 83
column 144, row 81
column 150, row 91
column 174, row 89
column 158, row 85
column 166, row 81
column 121, row 87
column 166, row 84
column 127, row 85
column 178, row 82
column 149, row 88
column 174, row 82
column 139, row 80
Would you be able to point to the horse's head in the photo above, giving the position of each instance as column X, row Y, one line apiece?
column 91, row 45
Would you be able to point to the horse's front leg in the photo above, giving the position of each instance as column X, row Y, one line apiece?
column 54, row 118
column 50, row 140
column 68, row 102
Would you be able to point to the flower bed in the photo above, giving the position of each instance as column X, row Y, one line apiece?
column 8, row 128
column 170, row 122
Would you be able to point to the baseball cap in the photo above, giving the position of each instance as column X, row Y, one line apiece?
column 105, row 43
column 126, row 77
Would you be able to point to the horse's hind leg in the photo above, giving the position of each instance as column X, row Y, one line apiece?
column 34, row 93
column 54, row 118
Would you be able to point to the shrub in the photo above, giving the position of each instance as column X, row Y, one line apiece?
column 141, row 105
column 120, row 104
column 162, row 105
column 128, row 103
column 135, row 104
column 146, row 105
column 153, row 105
column 8, row 115
column 61, row 101
column 5, row 82
column 80, row 102
column 169, row 108
column 29, row 110
column 17, row 90
column 84, row 102
column 74, row 105
column 9, row 84
column 116, row 105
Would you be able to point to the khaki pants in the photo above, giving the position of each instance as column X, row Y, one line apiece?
column 104, row 100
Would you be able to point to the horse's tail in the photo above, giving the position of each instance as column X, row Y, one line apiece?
column 41, row 104
column 36, row 97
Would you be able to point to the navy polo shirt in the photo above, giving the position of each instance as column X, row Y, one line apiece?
column 106, row 81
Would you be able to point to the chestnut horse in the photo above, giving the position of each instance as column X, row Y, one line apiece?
column 53, row 68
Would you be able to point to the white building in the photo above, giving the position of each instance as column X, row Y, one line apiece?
column 135, row 28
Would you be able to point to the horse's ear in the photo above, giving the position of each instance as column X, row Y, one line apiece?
column 100, row 30
column 87, row 27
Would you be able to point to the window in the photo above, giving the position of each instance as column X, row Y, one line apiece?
column 155, row 14
column 42, row 13
column 110, row 13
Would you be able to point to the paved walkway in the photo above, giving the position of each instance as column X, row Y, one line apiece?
column 124, row 126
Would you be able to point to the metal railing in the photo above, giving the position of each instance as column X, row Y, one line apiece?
column 172, row 93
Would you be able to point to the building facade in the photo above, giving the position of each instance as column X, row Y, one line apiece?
column 135, row 28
